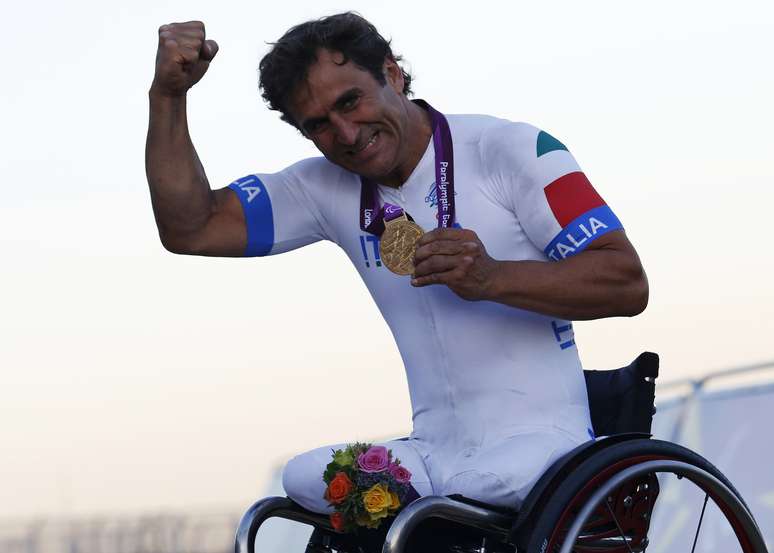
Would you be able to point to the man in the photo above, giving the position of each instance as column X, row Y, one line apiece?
column 519, row 245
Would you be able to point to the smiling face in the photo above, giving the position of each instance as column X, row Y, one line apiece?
column 357, row 123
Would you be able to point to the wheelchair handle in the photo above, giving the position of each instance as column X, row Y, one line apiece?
column 719, row 491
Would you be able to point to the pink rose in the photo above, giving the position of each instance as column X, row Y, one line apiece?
column 401, row 474
column 373, row 460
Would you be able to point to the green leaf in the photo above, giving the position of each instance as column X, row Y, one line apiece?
column 344, row 458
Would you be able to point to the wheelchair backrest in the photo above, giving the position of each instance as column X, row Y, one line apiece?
column 622, row 400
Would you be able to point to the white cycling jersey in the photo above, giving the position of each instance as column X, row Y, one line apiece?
column 480, row 373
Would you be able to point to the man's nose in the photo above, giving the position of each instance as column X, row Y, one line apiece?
column 346, row 131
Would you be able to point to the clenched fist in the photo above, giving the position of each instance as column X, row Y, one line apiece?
column 182, row 58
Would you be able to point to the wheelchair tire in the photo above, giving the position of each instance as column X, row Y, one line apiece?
column 556, row 512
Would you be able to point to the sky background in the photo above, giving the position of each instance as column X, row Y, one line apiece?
column 134, row 379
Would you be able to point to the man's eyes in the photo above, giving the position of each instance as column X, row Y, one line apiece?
column 316, row 127
column 344, row 105
column 349, row 103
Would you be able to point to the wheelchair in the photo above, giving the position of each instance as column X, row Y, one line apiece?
column 597, row 498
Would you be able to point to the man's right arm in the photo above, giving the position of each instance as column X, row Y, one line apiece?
column 191, row 218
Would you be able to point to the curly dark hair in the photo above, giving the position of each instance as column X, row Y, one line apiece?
column 288, row 62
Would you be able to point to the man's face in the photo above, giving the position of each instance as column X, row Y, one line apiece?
column 356, row 122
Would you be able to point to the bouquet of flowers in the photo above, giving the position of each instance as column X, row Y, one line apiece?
column 365, row 486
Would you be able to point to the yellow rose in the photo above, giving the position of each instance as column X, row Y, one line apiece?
column 395, row 501
column 377, row 498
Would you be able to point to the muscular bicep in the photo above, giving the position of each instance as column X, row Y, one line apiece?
column 225, row 233
column 222, row 234
column 615, row 240
column 626, row 258
column 617, row 243
column 613, row 260
column 262, row 214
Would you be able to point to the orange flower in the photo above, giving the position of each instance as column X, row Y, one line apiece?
column 337, row 521
column 338, row 489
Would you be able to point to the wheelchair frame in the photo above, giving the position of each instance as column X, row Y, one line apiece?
column 498, row 524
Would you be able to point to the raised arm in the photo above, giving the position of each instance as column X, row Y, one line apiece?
column 191, row 218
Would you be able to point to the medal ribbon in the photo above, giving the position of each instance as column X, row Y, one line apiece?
column 373, row 217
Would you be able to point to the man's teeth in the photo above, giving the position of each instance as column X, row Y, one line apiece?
column 367, row 144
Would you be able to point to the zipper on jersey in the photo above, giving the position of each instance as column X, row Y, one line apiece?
column 442, row 356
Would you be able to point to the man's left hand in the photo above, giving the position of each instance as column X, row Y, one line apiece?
column 456, row 258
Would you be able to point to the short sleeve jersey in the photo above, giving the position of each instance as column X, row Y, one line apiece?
column 482, row 368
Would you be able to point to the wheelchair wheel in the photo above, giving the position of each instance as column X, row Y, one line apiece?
column 623, row 522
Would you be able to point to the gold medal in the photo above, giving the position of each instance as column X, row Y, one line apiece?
column 398, row 243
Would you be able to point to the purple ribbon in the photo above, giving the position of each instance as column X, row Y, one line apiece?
column 391, row 212
column 373, row 217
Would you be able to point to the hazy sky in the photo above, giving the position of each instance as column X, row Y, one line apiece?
column 135, row 379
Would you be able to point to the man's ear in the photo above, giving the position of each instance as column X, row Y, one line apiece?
column 393, row 75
